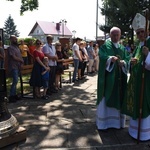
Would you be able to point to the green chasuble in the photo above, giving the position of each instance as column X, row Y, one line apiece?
column 132, row 96
column 111, row 85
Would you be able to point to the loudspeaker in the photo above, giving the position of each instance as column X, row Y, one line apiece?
column 58, row 26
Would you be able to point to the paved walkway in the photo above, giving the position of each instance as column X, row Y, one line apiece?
column 67, row 122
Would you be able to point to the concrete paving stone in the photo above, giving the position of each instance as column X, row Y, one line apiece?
column 66, row 115
column 45, row 137
column 26, row 102
column 27, row 123
column 74, row 93
column 31, row 115
column 84, row 148
column 89, row 113
column 82, row 86
column 119, row 139
column 58, row 122
column 19, row 108
column 125, row 147
column 86, row 100
column 107, row 136
column 123, row 136
column 83, row 135
column 82, row 99
column 92, row 87
column 91, row 91
column 81, row 113
column 30, row 108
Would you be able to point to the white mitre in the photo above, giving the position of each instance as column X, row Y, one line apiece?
column 138, row 22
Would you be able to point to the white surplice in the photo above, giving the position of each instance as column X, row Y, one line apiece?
column 107, row 117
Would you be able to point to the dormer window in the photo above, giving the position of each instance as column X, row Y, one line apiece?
column 38, row 31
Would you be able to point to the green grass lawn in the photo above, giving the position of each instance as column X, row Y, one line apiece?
column 27, row 87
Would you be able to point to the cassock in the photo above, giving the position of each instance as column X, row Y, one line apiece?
column 112, row 82
column 131, row 104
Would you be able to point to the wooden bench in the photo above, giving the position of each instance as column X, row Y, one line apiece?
column 69, row 70
column 26, row 70
column 67, row 62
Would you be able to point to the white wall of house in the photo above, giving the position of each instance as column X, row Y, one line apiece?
column 39, row 34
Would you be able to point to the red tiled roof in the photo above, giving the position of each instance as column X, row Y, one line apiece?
column 50, row 28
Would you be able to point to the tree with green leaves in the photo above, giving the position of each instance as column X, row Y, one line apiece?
column 9, row 29
column 28, row 5
column 121, row 13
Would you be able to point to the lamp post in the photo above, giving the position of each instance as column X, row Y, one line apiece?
column 63, row 23
column 74, row 32
column 106, row 19
column 97, row 19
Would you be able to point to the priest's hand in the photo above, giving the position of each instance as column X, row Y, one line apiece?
column 145, row 50
column 114, row 58
column 133, row 61
column 121, row 63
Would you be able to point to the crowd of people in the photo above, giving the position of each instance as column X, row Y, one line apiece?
column 47, row 62
column 83, row 54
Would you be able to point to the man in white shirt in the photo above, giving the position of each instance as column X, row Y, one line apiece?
column 50, row 52
column 76, row 57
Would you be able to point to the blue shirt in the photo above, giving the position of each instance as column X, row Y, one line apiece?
column 46, row 75
column 90, row 51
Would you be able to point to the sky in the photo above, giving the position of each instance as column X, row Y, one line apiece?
column 79, row 14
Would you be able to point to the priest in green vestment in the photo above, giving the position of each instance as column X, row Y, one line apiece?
column 112, row 82
column 135, row 93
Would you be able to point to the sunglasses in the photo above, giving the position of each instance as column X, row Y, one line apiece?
column 139, row 32
column 38, row 43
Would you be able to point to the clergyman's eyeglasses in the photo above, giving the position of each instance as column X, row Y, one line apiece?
column 142, row 31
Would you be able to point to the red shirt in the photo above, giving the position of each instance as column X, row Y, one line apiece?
column 38, row 54
column 31, row 49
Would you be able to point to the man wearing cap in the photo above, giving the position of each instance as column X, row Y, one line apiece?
column 132, row 100
column 112, row 80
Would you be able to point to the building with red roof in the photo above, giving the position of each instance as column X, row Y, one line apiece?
column 43, row 28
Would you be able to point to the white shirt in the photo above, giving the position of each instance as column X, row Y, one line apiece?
column 51, row 51
column 75, row 48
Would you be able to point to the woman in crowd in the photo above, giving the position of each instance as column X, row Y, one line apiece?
column 24, row 51
column 84, row 50
column 59, row 68
column 81, row 46
column 31, row 47
column 45, row 78
column 96, row 60
column 36, row 76
column 65, row 51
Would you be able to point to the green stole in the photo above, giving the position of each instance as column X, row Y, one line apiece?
column 109, row 82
